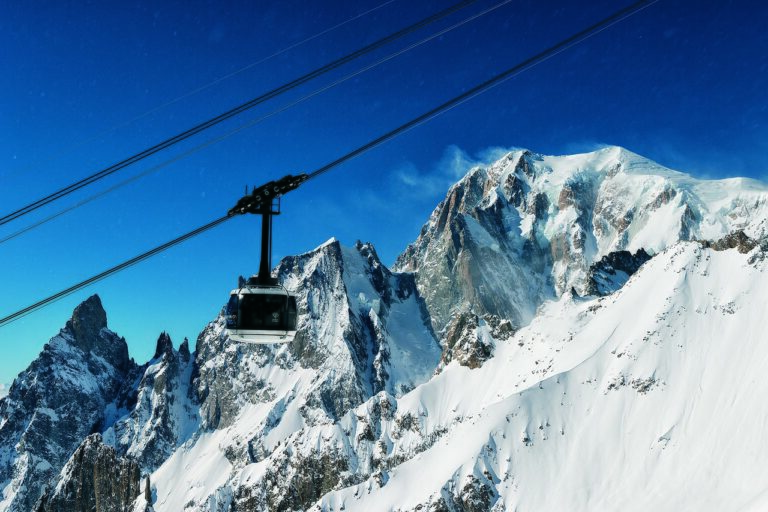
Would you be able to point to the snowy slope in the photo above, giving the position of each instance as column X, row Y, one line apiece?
column 650, row 399
column 625, row 401
column 362, row 330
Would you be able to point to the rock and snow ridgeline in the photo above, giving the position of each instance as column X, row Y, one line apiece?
column 529, row 227
column 518, row 360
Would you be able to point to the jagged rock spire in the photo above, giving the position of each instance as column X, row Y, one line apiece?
column 184, row 350
column 164, row 345
column 88, row 319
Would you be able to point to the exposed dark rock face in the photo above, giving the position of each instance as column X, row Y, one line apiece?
column 292, row 483
column 477, row 494
column 737, row 240
column 85, row 326
column 468, row 341
column 613, row 270
column 61, row 398
column 184, row 350
column 94, row 479
column 164, row 346
column 87, row 321
column 465, row 247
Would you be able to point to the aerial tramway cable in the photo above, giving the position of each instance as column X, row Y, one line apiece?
column 233, row 112
column 250, row 123
column 208, row 85
column 288, row 183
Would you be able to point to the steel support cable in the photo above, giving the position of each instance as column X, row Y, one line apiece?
column 448, row 105
column 492, row 82
column 113, row 270
column 234, row 111
column 251, row 123
column 208, row 85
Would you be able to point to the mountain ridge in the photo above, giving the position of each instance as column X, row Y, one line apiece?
column 390, row 374
column 542, row 221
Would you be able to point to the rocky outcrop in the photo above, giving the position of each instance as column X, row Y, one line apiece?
column 357, row 319
column 469, row 340
column 475, row 495
column 737, row 240
column 614, row 270
column 465, row 249
column 94, row 479
column 293, row 482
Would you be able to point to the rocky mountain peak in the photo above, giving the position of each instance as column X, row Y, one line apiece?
column 184, row 350
column 61, row 398
column 88, row 319
column 87, row 330
column 528, row 227
column 164, row 346
column 358, row 324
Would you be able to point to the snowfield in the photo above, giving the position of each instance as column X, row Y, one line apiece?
column 650, row 399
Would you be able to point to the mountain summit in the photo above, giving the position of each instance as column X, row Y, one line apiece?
column 528, row 227
column 577, row 332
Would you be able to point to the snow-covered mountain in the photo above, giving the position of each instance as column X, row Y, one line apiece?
column 648, row 399
column 76, row 386
column 528, row 227
column 566, row 333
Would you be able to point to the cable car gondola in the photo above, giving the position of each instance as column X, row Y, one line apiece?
column 260, row 310
column 261, row 314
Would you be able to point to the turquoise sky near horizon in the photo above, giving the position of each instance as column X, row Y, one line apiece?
column 682, row 83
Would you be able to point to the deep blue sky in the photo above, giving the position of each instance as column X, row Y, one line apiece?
column 683, row 83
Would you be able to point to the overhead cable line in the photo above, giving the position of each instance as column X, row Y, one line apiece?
column 249, row 124
column 234, row 111
column 113, row 270
column 294, row 181
column 216, row 81
column 490, row 83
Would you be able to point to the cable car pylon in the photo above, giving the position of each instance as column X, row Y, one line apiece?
column 260, row 310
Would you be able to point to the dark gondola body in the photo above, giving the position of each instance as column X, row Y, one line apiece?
column 261, row 314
